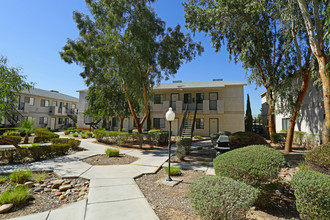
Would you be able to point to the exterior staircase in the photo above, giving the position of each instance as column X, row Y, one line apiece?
column 13, row 116
column 73, row 116
column 188, row 123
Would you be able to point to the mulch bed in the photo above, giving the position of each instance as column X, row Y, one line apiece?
column 44, row 201
column 103, row 159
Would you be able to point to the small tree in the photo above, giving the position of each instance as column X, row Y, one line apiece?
column 248, row 115
column 26, row 126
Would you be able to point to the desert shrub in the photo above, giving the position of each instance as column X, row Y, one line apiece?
column 198, row 137
column 67, row 132
column 175, row 171
column 39, row 176
column 74, row 143
column 75, row 135
column 253, row 164
column 318, row 158
column 16, row 139
column 43, row 135
column 278, row 138
column 3, row 130
column 112, row 152
column 243, row 139
column 71, row 129
column 158, row 138
column 83, row 136
column 20, row 176
column 299, row 136
column 312, row 192
column 3, row 179
column 153, row 131
column 183, row 148
column 89, row 134
column 12, row 133
column 218, row 197
column 214, row 137
column 16, row 196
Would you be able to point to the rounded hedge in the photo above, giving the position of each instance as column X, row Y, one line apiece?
column 218, row 197
column 253, row 164
column 312, row 192
column 243, row 139
column 318, row 158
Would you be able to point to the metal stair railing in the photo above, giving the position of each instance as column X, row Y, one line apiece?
column 194, row 120
column 183, row 120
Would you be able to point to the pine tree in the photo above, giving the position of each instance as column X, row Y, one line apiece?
column 248, row 115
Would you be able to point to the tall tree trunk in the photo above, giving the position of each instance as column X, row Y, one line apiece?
column 299, row 101
column 325, row 77
column 26, row 139
column 122, row 122
column 2, row 139
column 270, row 115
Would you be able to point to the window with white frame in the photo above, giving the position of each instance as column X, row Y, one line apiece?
column 44, row 103
column 60, row 121
column 54, row 103
column 199, row 123
column 43, row 120
column 159, row 98
column 159, row 122
column 285, row 123
column 29, row 100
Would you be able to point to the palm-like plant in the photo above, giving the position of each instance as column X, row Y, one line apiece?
column 26, row 127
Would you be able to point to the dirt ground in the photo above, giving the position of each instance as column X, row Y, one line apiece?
column 103, row 159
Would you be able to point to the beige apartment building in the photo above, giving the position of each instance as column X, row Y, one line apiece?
column 201, row 108
column 49, row 109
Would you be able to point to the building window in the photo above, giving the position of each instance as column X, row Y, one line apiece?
column 213, row 100
column 73, row 106
column 199, row 123
column 60, row 121
column 66, row 121
column 199, row 97
column 115, row 122
column 44, row 103
column 187, row 98
column 29, row 100
column 67, row 105
column 159, row 98
column 285, row 123
column 61, row 104
column 43, row 120
column 159, row 122
column 54, row 103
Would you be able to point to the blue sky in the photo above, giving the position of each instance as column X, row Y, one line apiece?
column 34, row 31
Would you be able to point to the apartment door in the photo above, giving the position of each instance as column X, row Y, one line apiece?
column 175, row 127
column 52, row 123
column 174, row 98
column 213, row 125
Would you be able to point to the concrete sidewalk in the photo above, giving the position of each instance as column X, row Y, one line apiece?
column 113, row 193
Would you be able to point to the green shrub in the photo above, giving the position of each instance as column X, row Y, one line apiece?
column 67, row 132
column 43, row 135
column 3, row 179
column 214, row 137
column 83, row 136
column 71, row 129
column 112, row 152
column 89, row 134
column 303, row 166
column 20, row 176
column 243, row 139
column 16, row 196
column 183, row 148
column 175, row 171
column 312, row 192
column 198, row 137
column 36, row 144
column 318, row 158
column 253, row 164
column 158, row 138
column 218, row 197
column 153, row 131
column 16, row 139
column 278, row 138
column 75, row 135
column 12, row 133
column 3, row 130
column 74, row 143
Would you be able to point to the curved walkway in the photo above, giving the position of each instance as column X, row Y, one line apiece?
column 113, row 193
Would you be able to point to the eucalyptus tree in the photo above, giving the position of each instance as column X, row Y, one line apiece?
column 127, row 40
column 253, row 35
column 316, row 16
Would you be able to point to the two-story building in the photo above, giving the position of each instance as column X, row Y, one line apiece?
column 49, row 109
column 204, row 107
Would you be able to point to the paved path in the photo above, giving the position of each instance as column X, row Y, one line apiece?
column 113, row 192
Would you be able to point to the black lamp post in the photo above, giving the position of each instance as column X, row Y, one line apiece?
column 170, row 116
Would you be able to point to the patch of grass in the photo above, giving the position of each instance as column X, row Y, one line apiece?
column 112, row 152
column 198, row 137
column 36, row 144
column 39, row 176
column 3, row 179
column 175, row 171
column 20, row 176
column 15, row 196
column 303, row 166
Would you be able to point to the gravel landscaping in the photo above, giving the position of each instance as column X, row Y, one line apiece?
column 51, row 193
column 103, row 159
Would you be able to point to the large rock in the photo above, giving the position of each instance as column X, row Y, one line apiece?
column 65, row 187
column 38, row 189
column 62, row 197
column 29, row 184
column 57, row 183
column 5, row 208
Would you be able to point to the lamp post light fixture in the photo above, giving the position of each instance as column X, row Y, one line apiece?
column 170, row 116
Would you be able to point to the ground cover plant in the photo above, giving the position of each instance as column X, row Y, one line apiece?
column 20, row 176
column 175, row 171
column 312, row 192
column 218, row 197
column 253, row 164
column 15, row 195
column 318, row 158
column 112, row 152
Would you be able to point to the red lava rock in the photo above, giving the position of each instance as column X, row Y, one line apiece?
column 66, row 182
column 58, row 194
column 284, row 173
